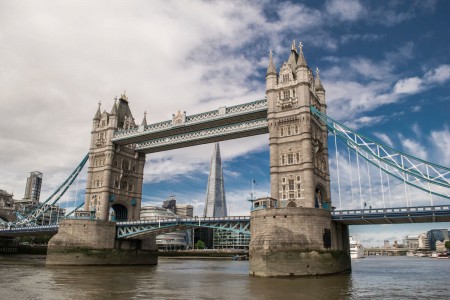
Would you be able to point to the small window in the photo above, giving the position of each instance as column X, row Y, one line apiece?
column 282, row 160
column 298, row 160
column 281, row 131
column 293, row 93
column 283, row 180
column 286, row 94
column 298, row 179
column 289, row 130
column 285, row 77
column 291, row 195
column 290, row 159
column 291, row 184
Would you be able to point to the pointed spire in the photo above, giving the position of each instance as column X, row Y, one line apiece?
column 215, row 204
column 318, row 82
column 124, row 96
column 144, row 121
column 271, row 69
column 98, row 113
column 301, row 62
column 114, row 108
column 293, row 57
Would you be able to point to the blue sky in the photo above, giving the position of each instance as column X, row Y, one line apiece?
column 385, row 66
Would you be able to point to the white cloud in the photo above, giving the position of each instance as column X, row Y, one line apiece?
column 348, row 10
column 413, row 147
column 408, row 86
column 440, row 139
column 439, row 75
column 384, row 138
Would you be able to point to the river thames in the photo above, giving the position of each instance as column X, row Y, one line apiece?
column 375, row 277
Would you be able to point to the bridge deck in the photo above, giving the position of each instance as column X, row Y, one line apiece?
column 396, row 215
column 241, row 224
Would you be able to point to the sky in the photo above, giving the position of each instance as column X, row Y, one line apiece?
column 385, row 66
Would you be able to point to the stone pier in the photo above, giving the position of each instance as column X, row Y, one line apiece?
column 93, row 242
column 296, row 242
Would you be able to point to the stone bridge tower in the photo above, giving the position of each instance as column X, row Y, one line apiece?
column 115, row 173
column 297, row 237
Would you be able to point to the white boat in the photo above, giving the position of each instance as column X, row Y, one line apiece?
column 356, row 249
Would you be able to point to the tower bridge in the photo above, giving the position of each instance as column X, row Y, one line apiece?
column 299, row 233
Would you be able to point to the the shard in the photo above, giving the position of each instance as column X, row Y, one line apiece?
column 215, row 204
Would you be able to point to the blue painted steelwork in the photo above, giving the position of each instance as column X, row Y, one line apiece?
column 29, row 219
column 17, row 231
column 423, row 175
column 395, row 215
column 140, row 229
column 143, row 228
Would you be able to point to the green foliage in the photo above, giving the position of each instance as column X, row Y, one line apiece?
column 200, row 245
column 447, row 245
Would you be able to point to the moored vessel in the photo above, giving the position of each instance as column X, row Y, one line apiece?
column 356, row 249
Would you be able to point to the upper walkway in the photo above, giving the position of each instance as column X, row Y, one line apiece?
column 182, row 131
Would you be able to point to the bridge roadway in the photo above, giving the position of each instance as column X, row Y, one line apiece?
column 241, row 224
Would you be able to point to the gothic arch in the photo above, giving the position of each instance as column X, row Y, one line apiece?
column 119, row 212
column 292, row 204
column 319, row 196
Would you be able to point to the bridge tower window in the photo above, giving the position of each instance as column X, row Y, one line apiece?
column 291, row 184
column 286, row 95
column 290, row 159
column 285, row 77
column 282, row 160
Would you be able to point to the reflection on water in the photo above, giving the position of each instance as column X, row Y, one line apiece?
column 372, row 278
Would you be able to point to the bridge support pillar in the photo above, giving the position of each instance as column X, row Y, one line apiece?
column 296, row 242
column 93, row 242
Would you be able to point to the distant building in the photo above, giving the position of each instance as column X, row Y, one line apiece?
column 423, row 241
column 33, row 187
column 184, row 210
column 435, row 235
column 411, row 242
column 170, row 204
column 386, row 244
column 216, row 206
column 178, row 240
column 440, row 246
column 215, row 203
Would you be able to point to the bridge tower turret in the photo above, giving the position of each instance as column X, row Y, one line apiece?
column 115, row 173
column 298, row 237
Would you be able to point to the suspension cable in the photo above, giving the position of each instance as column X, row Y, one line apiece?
column 359, row 181
column 337, row 168
column 351, row 176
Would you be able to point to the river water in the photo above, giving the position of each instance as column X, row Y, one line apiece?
column 375, row 277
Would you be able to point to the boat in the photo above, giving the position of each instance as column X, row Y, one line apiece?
column 356, row 249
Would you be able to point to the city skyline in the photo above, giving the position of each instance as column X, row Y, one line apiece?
column 385, row 68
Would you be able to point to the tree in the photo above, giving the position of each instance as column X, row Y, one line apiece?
column 447, row 245
column 200, row 244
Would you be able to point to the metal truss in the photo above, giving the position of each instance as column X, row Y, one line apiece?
column 221, row 113
column 421, row 174
column 257, row 126
column 143, row 228
column 16, row 231
column 395, row 215
column 42, row 208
